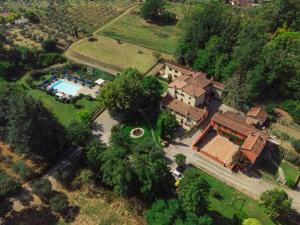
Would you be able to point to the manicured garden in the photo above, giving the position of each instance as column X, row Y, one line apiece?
column 134, row 29
column 138, row 121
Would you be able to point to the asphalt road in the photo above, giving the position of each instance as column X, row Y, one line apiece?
column 253, row 187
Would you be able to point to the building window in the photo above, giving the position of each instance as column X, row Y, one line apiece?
column 170, row 69
column 190, row 97
column 176, row 71
column 181, row 100
column 175, row 76
column 182, row 95
column 189, row 103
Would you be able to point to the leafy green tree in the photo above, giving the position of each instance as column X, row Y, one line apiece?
column 123, row 94
column 276, row 202
column 116, row 170
column 49, row 45
column 84, row 178
column 180, row 160
column 8, row 185
column 94, row 151
column 193, row 192
column 22, row 117
column 151, row 9
column 42, row 188
column 84, row 116
column 251, row 221
column 24, row 171
column 79, row 133
column 153, row 174
column 59, row 202
column 199, row 24
column 152, row 90
column 287, row 14
column 119, row 139
column 163, row 212
column 167, row 123
column 193, row 219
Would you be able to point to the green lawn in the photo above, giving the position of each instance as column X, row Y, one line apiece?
column 133, row 29
column 140, row 122
column 65, row 113
column 270, row 172
column 290, row 170
column 232, row 202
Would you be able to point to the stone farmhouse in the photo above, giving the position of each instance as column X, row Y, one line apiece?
column 188, row 93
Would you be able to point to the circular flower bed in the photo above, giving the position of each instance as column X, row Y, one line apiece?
column 137, row 132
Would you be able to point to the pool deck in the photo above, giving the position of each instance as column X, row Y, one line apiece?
column 82, row 89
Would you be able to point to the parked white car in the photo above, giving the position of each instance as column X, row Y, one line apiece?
column 177, row 175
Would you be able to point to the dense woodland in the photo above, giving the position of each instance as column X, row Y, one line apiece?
column 28, row 126
column 254, row 50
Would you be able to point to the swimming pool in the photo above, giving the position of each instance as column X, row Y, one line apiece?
column 68, row 88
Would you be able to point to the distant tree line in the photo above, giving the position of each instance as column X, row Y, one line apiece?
column 255, row 51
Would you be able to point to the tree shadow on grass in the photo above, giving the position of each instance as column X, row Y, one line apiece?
column 25, row 197
column 219, row 219
column 293, row 219
column 32, row 216
column 71, row 213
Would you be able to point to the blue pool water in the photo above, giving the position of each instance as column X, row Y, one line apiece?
column 66, row 87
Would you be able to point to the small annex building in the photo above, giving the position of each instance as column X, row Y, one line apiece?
column 256, row 116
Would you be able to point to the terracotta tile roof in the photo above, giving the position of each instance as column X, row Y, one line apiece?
column 255, row 140
column 192, row 85
column 192, row 91
column 253, row 145
column 193, row 113
column 218, row 85
column 258, row 113
column 233, row 124
column 199, row 80
column 179, row 84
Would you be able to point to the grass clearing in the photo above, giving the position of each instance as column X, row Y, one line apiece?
column 232, row 202
column 65, row 113
column 133, row 29
column 109, row 54
column 100, row 207
column 140, row 122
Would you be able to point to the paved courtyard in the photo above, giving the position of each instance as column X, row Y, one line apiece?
column 102, row 126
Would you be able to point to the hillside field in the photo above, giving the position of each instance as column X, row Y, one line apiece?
column 133, row 29
column 113, row 56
